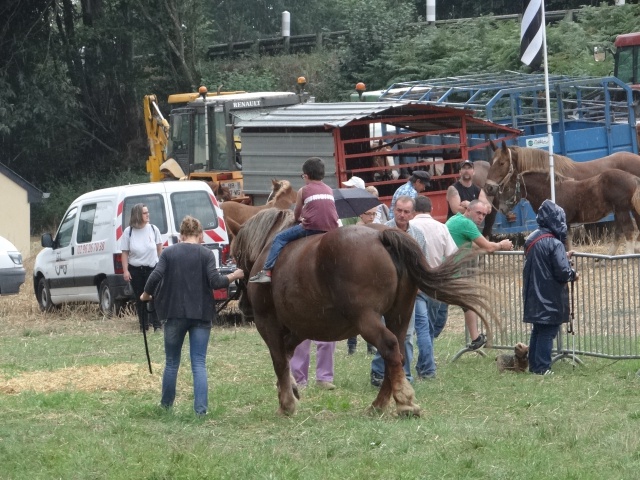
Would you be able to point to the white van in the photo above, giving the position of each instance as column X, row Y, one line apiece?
column 83, row 262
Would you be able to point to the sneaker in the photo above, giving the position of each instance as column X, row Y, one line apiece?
column 263, row 276
column 371, row 350
column 428, row 376
column 376, row 380
column 325, row 385
column 478, row 342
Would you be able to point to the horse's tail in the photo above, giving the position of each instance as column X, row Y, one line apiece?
column 454, row 282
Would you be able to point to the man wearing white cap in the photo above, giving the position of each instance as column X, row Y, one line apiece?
column 356, row 182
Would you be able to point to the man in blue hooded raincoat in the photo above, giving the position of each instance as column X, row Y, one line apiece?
column 546, row 274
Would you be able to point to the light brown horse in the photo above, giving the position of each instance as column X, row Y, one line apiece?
column 583, row 201
column 282, row 197
column 509, row 160
column 339, row 284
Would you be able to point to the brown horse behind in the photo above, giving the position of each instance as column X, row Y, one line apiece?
column 282, row 197
column 339, row 284
column 585, row 201
column 506, row 160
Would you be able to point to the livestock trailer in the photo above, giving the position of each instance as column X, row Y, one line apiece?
column 591, row 117
column 345, row 135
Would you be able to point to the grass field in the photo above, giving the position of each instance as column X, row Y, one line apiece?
column 77, row 401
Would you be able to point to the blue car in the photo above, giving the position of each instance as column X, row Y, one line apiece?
column 12, row 272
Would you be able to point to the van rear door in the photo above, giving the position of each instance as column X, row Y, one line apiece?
column 155, row 202
column 199, row 203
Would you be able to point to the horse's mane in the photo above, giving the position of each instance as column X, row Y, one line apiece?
column 256, row 232
column 537, row 160
column 559, row 178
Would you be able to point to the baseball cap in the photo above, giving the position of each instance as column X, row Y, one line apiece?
column 354, row 182
column 466, row 162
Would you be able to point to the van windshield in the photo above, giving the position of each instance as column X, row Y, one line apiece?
column 196, row 204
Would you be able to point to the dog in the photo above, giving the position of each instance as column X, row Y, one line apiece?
column 516, row 362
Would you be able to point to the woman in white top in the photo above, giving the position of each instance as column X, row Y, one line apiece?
column 141, row 245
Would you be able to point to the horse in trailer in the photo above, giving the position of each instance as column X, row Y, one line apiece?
column 282, row 197
column 385, row 159
column 584, row 201
column 339, row 284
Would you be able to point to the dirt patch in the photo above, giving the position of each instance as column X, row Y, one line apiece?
column 92, row 378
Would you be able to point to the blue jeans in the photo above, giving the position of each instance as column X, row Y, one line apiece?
column 174, row 332
column 426, row 366
column 438, row 315
column 281, row 240
column 540, row 347
column 377, row 364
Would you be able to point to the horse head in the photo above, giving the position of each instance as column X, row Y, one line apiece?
column 382, row 160
column 221, row 192
column 501, row 170
column 285, row 195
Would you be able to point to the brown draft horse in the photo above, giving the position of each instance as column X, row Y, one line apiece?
column 584, row 201
column 339, row 284
column 282, row 197
column 508, row 161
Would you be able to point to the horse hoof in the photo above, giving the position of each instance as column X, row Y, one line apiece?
column 285, row 413
column 408, row 410
column 375, row 411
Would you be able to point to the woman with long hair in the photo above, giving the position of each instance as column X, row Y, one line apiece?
column 141, row 245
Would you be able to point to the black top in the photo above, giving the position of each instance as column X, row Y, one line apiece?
column 183, row 280
column 466, row 193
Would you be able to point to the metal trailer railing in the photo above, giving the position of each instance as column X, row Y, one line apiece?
column 605, row 305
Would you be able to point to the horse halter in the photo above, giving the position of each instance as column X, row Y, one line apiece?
column 509, row 174
column 517, row 191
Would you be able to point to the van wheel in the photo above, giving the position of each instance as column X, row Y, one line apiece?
column 109, row 306
column 44, row 297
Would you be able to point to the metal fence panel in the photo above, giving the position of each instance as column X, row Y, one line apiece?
column 605, row 306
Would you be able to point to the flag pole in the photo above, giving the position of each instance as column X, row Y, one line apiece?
column 548, row 102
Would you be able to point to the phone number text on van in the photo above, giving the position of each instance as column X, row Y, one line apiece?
column 94, row 247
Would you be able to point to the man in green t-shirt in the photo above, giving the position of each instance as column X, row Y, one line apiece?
column 464, row 231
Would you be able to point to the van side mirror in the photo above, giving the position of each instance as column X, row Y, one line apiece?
column 46, row 240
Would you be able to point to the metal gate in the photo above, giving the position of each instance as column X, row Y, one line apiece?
column 606, row 305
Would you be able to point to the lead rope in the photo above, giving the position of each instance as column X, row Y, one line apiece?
column 570, row 330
